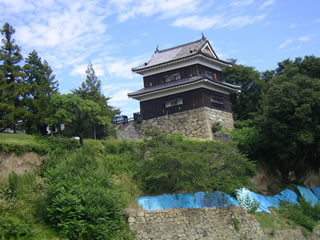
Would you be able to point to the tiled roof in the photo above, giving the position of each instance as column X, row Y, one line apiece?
column 176, row 53
column 181, row 83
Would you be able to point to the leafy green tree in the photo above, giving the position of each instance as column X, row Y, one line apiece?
column 91, row 90
column 289, row 120
column 42, row 85
column 13, row 89
column 172, row 163
column 245, row 103
column 74, row 112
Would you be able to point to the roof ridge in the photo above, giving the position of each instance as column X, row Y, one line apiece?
column 182, row 45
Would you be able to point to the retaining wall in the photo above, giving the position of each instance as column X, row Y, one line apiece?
column 195, row 123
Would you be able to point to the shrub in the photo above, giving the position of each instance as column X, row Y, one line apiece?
column 11, row 229
column 246, row 200
column 172, row 163
column 216, row 127
column 13, row 184
column 111, row 146
column 82, row 202
column 304, row 214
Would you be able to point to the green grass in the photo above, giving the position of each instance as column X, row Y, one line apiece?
column 18, row 139
column 273, row 222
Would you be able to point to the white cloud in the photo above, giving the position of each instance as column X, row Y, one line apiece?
column 293, row 25
column 304, row 39
column 205, row 22
column 240, row 3
column 120, row 98
column 199, row 23
column 285, row 43
column 122, row 68
column 317, row 20
column 127, row 9
column 63, row 32
column 267, row 3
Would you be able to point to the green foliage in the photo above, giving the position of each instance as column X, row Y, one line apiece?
column 289, row 122
column 303, row 214
column 82, row 201
column 42, row 85
column 172, row 163
column 216, row 127
column 22, row 143
column 100, row 126
column 283, row 108
column 236, row 223
column 74, row 112
column 245, row 103
column 245, row 135
column 13, row 183
column 246, row 200
column 14, row 229
column 12, row 89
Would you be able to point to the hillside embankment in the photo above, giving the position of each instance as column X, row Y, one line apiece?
column 24, row 209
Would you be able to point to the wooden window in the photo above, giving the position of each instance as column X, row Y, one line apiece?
column 215, row 76
column 166, row 78
column 208, row 74
column 175, row 76
column 173, row 102
column 217, row 101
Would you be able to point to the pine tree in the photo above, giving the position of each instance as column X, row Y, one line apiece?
column 13, row 90
column 42, row 86
column 91, row 90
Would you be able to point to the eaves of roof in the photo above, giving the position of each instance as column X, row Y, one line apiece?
column 197, row 54
column 180, row 84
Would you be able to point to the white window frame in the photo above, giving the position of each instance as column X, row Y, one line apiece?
column 173, row 102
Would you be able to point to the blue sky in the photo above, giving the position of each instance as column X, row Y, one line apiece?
column 117, row 35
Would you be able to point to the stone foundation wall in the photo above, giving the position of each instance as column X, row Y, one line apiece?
column 189, row 224
column 194, row 123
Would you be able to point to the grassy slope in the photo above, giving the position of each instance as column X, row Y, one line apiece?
column 25, row 210
column 107, row 154
column 20, row 139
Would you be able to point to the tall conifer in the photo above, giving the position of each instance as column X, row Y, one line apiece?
column 12, row 88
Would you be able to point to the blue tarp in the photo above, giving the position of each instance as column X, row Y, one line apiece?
column 220, row 199
column 288, row 196
column 266, row 202
column 316, row 192
column 196, row 200
column 307, row 194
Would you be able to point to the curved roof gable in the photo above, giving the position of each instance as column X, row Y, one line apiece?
column 166, row 56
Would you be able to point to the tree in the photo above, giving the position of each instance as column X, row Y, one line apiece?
column 74, row 112
column 13, row 90
column 91, row 90
column 171, row 163
column 42, row 85
column 245, row 103
column 289, row 119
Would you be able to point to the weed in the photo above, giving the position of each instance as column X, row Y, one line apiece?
column 236, row 224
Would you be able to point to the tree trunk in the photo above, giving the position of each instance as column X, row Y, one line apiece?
column 81, row 138
column 94, row 132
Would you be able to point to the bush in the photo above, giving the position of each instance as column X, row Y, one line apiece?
column 12, row 229
column 304, row 214
column 216, row 127
column 246, row 200
column 82, row 202
column 172, row 163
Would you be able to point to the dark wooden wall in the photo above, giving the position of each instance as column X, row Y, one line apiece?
column 186, row 72
column 191, row 100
